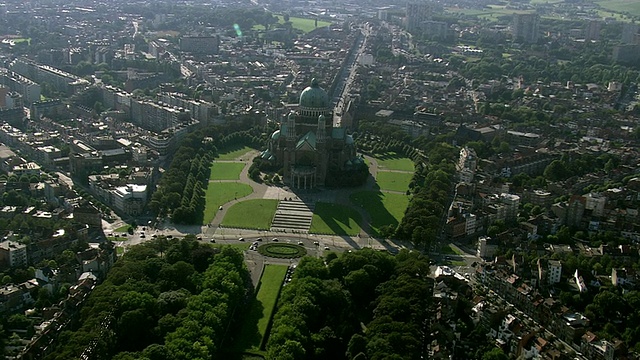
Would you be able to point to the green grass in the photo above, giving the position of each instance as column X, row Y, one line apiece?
column 449, row 250
column 233, row 153
column 621, row 6
column 253, row 333
column 392, row 161
column 123, row 228
column 251, row 214
column 335, row 219
column 393, row 181
column 20, row 40
column 282, row 250
column 383, row 208
column 119, row 250
column 226, row 170
column 302, row 24
column 221, row 193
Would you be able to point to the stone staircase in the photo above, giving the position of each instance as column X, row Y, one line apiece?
column 293, row 216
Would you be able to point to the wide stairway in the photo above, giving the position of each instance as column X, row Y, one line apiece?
column 293, row 216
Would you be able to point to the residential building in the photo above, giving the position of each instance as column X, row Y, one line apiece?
column 555, row 271
column 592, row 30
column 130, row 199
column 200, row 44
column 417, row 13
column 525, row 27
column 60, row 80
column 486, row 247
column 629, row 32
column 13, row 254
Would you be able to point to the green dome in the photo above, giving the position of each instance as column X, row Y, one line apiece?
column 314, row 97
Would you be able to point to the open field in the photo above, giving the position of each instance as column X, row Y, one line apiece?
column 621, row 6
column 394, row 181
column 383, row 208
column 251, row 214
column 123, row 228
column 233, row 153
column 226, row 170
column 256, row 322
column 392, row 161
column 335, row 219
column 492, row 12
column 302, row 24
column 221, row 193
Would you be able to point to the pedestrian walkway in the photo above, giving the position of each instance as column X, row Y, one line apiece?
column 293, row 215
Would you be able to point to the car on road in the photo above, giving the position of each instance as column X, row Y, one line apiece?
column 142, row 236
column 326, row 248
column 241, row 239
column 212, row 241
column 259, row 239
column 300, row 243
column 316, row 243
column 275, row 239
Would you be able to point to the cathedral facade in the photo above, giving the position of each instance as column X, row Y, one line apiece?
column 307, row 147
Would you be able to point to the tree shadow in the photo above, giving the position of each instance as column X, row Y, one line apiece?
column 336, row 214
column 248, row 335
column 371, row 202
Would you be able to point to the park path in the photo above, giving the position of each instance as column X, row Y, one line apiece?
column 339, row 196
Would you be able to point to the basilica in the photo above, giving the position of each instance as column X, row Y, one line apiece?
column 307, row 147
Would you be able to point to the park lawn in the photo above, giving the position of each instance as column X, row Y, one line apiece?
column 384, row 209
column 630, row 6
column 221, row 193
column 392, row 161
column 335, row 219
column 253, row 334
column 251, row 214
column 394, row 181
column 448, row 250
column 123, row 228
column 233, row 153
column 226, row 170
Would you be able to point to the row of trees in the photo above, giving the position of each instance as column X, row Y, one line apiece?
column 181, row 191
column 162, row 300
column 324, row 311
column 579, row 164
column 432, row 186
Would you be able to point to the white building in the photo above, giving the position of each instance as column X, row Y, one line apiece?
column 555, row 271
column 486, row 249
column 130, row 199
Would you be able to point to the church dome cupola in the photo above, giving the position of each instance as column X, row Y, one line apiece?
column 313, row 97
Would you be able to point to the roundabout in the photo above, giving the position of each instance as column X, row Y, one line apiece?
column 282, row 251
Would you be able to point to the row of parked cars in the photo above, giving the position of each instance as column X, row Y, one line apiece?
column 289, row 275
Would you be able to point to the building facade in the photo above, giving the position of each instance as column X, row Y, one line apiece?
column 307, row 146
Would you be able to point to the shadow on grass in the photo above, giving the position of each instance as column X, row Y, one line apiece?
column 371, row 202
column 333, row 215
